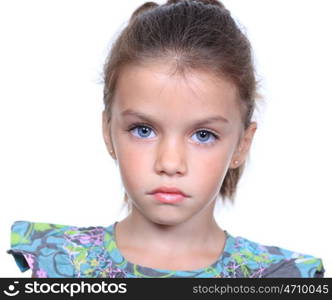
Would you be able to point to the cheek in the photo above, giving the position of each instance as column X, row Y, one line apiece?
column 130, row 155
column 212, row 164
column 133, row 166
column 209, row 172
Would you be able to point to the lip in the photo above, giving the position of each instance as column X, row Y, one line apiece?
column 170, row 195
column 169, row 198
column 169, row 190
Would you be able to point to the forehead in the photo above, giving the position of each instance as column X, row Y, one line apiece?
column 154, row 89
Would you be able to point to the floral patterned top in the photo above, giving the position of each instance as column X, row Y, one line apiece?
column 52, row 250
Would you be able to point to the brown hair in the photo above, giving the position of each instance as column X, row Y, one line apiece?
column 194, row 35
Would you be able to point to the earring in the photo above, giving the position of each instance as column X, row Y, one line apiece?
column 236, row 162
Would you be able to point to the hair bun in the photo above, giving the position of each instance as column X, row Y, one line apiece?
column 212, row 2
column 144, row 7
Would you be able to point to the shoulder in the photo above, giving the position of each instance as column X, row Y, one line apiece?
column 53, row 250
column 258, row 260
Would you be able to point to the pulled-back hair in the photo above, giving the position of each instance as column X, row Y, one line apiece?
column 190, row 35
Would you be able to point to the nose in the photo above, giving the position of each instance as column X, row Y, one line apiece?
column 171, row 159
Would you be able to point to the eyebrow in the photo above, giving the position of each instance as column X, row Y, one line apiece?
column 217, row 118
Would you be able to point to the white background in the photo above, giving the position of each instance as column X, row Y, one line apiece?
column 54, row 166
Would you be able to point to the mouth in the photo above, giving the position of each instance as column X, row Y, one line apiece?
column 169, row 190
column 169, row 198
column 169, row 195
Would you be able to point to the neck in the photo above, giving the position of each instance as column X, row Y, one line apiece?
column 199, row 232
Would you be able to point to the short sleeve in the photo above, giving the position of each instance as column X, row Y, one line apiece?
column 38, row 246
column 293, row 264
column 310, row 266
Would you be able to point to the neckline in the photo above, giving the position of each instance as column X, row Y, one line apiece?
column 226, row 249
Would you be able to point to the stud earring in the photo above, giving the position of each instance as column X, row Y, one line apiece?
column 236, row 162
column 113, row 154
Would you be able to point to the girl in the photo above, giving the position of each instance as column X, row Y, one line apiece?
column 179, row 95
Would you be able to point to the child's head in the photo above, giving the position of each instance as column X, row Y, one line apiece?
column 177, row 64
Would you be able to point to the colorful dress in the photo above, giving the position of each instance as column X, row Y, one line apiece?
column 52, row 250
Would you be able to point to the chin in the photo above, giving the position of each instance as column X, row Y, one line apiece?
column 167, row 220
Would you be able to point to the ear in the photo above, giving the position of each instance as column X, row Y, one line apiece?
column 107, row 134
column 244, row 146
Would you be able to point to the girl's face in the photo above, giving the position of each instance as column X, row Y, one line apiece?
column 161, row 135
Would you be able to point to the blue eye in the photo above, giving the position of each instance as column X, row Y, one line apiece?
column 143, row 131
column 204, row 136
